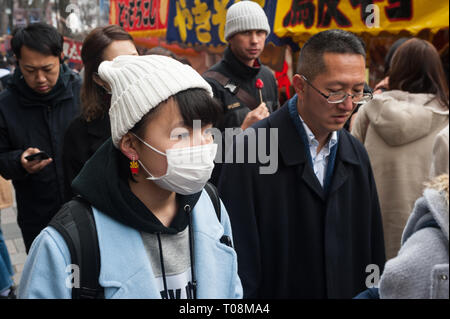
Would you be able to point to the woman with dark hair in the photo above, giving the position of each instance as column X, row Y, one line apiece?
column 159, row 234
column 383, row 84
column 87, row 132
column 398, row 128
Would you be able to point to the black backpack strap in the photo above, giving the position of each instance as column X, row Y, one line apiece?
column 75, row 222
column 213, row 194
column 234, row 88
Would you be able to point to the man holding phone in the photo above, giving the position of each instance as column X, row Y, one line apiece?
column 39, row 102
column 35, row 161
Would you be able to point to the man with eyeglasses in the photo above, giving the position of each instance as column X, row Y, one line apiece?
column 312, row 229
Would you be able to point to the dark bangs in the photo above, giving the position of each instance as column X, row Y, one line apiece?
column 197, row 104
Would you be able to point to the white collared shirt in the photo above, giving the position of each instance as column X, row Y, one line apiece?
column 320, row 160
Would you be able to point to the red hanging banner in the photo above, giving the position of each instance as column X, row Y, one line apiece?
column 141, row 18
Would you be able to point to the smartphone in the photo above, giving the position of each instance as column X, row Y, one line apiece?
column 38, row 156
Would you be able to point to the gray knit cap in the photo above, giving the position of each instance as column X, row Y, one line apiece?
column 244, row 16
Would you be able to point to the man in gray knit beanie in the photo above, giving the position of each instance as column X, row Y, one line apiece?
column 234, row 78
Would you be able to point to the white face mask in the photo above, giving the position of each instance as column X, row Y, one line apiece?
column 188, row 168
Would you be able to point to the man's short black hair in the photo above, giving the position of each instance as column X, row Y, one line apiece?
column 311, row 63
column 39, row 37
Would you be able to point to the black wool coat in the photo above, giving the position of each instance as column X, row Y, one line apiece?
column 31, row 120
column 293, row 240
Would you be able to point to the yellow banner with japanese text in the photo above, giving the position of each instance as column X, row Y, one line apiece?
column 202, row 22
column 300, row 19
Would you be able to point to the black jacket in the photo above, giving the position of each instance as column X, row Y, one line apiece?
column 293, row 239
column 81, row 141
column 235, row 111
column 28, row 119
column 245, row 77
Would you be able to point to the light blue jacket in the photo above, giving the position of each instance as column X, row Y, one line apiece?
column 126, row 270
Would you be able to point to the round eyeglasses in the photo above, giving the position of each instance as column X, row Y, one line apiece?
column 339, row 97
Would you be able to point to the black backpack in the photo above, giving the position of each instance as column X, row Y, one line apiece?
column 75, row 222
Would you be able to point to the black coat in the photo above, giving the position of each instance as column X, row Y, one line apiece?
column 81, row 141
column 245, row 77
column 292, row 239
column 235, row 111
column 28, row 119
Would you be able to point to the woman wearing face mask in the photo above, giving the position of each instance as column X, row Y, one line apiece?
column 91, row 129
column 158, row 232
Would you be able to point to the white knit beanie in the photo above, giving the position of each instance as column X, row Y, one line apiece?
column 140, row 83
column 244, row 16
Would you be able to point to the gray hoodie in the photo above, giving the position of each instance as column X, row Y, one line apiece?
column 420, row 269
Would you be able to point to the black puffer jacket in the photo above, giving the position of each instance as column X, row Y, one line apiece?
column 29, row 119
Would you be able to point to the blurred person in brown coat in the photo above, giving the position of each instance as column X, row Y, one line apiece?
column 6, row 199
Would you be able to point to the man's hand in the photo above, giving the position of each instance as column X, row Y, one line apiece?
column 261, row 112
column 34, row 166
